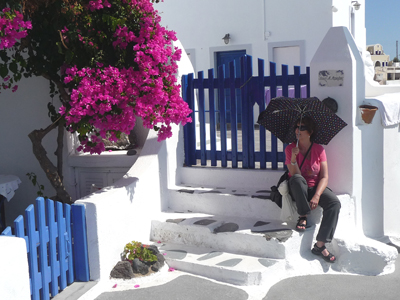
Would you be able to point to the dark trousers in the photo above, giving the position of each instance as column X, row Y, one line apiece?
column 302, row 194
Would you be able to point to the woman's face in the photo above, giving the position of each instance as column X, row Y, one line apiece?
column 302, row 131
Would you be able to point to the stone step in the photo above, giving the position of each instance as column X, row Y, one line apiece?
column 232, row 178
column 245, row 236
column 225, row 267
column 246, row 203
column 261, row 238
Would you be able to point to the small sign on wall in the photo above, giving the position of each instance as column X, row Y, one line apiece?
column 331, row 78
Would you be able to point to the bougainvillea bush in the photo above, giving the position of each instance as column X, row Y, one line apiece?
column 131, row 72
column 12, row 29
column 108, row 61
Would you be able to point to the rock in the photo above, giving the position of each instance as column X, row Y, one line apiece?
column 156, row 267
column 160, row 259
column 122, row 269
column 139, row 267
column 153, row 249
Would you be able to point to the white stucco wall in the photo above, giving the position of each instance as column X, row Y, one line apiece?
column 14, row 274
column 383, row 185
column 20, row 113
column 256, row 26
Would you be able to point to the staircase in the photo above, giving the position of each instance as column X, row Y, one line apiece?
column 222, row 225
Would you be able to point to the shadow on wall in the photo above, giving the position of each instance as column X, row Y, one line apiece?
column 372, row 139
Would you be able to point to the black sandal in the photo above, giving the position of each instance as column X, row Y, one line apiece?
column 300, row 224
column 318, row 251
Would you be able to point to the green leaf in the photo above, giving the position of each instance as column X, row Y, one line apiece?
column 59, row 47
column 14, row 67
column 3, row 70
column 17, row 76
column 69, row 56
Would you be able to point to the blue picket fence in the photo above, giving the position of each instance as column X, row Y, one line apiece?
column 222, row 100
column 56, row 246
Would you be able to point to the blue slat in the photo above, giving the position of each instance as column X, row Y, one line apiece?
column 186, row 129
column 7, row 231
column 250, row 113
column 244, row 92
column 202, row 118
column 261, row 105
column 234, row 104
column 297, row 82
column 20, row 230
column 43, row 239
column 222, row 113
column 190, row 128
column 192, row 125
column 68, row 246
column 308, row 81
column 53, row 234
column 213, row 128
column 81, row 259
column 61, row 245
column 36, row 280
column 285, row 80
column 272, row 79
column 274, row 140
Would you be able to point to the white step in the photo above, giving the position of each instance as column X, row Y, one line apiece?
column 246, row 203
column 274, row 240
column 221, row 266
column 251, row 236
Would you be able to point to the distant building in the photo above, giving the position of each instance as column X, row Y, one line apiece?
column 386, row 71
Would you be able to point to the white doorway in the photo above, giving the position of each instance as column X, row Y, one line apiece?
column 286, row 56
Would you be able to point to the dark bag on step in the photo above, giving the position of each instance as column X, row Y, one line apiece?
column 275, row 195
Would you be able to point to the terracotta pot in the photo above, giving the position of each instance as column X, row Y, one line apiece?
column 368, row 113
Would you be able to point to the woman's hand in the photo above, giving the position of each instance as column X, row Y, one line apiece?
column 293, row 168
column 314, row 202
column 295, row 151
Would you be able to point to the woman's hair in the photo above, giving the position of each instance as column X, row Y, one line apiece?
column 310, row 124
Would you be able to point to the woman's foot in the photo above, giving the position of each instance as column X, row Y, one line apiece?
column 301, row 223
column 320, row 250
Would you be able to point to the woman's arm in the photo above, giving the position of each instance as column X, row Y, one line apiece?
column 322, row 184
column 294, row 169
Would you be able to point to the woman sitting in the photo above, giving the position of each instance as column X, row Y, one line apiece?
column 308, row 186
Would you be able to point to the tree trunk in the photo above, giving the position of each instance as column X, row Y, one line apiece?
column 36, row 136
column 59, row 150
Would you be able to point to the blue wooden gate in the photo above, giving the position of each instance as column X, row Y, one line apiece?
column 209, row 117
column 57, row 249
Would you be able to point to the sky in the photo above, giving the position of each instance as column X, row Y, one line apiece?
column 382, row 22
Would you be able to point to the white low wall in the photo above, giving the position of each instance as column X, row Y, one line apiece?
column 14, row 272
column 381, row 188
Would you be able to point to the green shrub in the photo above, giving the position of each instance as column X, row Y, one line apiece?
column 135, row 249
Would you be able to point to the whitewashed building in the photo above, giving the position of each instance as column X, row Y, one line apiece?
column 285, row 32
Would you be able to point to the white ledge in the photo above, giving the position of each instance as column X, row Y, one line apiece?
column 113, row 159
